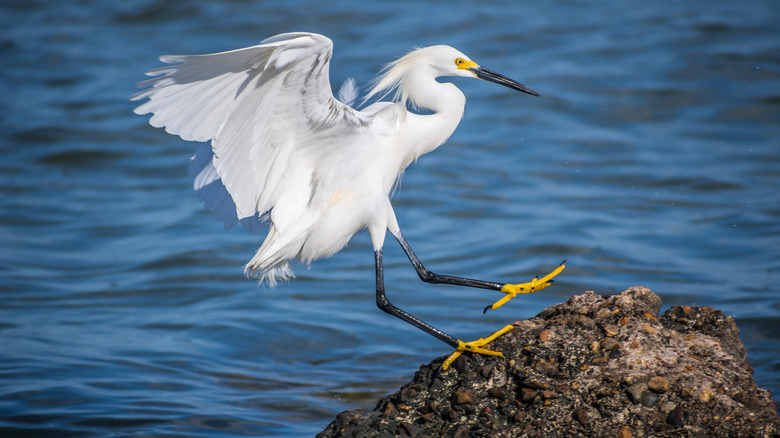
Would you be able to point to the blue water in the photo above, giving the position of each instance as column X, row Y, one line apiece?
column 652, row 158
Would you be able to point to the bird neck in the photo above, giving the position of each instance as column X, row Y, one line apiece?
column 425, row 92
column 426, row 132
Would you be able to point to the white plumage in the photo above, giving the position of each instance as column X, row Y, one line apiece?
column 284, row 149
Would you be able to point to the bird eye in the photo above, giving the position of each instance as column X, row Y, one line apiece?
column 459, row 61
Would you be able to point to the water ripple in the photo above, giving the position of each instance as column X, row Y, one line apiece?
column 649, row 159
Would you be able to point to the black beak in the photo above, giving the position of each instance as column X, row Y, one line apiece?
column 492, row 76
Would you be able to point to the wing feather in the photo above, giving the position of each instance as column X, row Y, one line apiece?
column 261, row 107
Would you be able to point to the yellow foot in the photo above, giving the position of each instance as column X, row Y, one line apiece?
column 475, row 347
column 537, row 284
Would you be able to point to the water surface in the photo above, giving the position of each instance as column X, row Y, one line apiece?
column 651, row 159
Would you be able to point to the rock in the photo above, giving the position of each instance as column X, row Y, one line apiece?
column 463, row 396
column 650, row 399
column 625, row 432
column 546, row 368
column 586, row 415
column 609, row 344
column 658, row 384
column 675, row 417
column 682, row 374
column 636, row 392
column 611, row 329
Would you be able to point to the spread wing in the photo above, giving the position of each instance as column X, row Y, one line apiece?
column 261, row 107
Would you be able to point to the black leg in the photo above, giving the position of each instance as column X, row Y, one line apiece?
column 383, row 303
column 510, row 289
column 431, row 277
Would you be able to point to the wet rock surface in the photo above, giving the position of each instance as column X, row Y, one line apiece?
column 593, row 366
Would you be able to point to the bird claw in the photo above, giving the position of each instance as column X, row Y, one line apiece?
column 475, row 347
column 537, row 284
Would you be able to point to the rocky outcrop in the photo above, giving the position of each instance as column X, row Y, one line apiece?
column 601, row 366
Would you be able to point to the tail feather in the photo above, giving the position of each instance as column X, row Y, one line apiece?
column 270, row 275
column 269, row 264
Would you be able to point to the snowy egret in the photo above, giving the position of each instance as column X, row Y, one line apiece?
column 284, row 150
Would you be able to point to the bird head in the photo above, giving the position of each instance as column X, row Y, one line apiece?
column 455, row 63
column 434, row 62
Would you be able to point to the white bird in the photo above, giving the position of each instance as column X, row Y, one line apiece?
column 284, row 150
